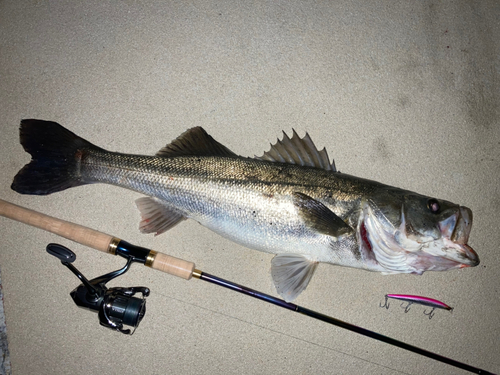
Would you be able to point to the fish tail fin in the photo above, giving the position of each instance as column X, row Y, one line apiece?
column 56, row 153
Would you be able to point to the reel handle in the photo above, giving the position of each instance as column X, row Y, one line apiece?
column 93, row 238
column 62, row 253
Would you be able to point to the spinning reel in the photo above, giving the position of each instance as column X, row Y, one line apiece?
column 115, row 307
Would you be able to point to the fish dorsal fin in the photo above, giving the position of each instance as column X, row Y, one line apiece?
column 291, row 274
column 156, row 217
column 195, row 142
column 300, row 151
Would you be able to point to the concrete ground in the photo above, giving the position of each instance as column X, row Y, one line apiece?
column 403, row 92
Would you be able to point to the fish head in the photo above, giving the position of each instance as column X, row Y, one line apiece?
column 413, row 233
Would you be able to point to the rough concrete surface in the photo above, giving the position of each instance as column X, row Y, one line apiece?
column 403, row 92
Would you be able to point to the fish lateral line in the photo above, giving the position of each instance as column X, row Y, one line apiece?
column 289, row 202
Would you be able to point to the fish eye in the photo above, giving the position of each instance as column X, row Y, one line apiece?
column 433, row 205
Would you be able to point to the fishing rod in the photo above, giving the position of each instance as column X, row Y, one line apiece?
column 176, row 267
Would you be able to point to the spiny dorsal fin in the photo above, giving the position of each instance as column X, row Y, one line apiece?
column 300, row 151
column 195, row 141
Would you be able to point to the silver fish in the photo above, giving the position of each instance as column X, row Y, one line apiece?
column 291, row 202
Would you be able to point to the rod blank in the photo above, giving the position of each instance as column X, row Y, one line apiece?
column 178, row 267
column 336, row 322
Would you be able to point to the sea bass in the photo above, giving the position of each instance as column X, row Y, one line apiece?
column 290, row 202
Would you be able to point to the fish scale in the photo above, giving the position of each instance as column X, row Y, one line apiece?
column 290, row 202
column 246, row 194
column 203, row 189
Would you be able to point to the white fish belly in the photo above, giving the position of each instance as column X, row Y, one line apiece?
column 258, row 221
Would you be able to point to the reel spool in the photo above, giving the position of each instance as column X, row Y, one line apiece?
column 116, row 306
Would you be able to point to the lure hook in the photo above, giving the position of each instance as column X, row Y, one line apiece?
column 431, row 313
column 386, row 303
column 407, row 307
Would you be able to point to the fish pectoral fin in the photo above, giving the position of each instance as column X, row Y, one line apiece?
column 300, row 151
column 156, row 217
column 291, row 274
column 195, row 142
column 319, row 217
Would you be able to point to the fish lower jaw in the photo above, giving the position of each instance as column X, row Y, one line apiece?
column 462, row 253
column 425, row 262
column 444, row 254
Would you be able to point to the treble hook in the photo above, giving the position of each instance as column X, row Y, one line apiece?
column 431, row 313
column 386, row 303
column 407, row 307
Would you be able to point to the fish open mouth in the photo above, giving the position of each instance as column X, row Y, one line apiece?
column 455, row 232
column 395, row 252
column 463, row 227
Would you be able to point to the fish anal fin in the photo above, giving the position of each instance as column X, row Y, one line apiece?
column 319, row 217
column 195, row 142
column 156, row 217
column 291, row 274
column 299, row 151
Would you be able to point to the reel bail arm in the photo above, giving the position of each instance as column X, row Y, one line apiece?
column 116, row 306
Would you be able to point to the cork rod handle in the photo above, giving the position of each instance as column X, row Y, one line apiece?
column 91, row 238
column 173, row 266
column 78, row 233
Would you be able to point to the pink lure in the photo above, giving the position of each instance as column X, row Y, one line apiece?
column 434, row 303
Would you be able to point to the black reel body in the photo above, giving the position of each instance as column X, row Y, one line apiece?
column 116, row 306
